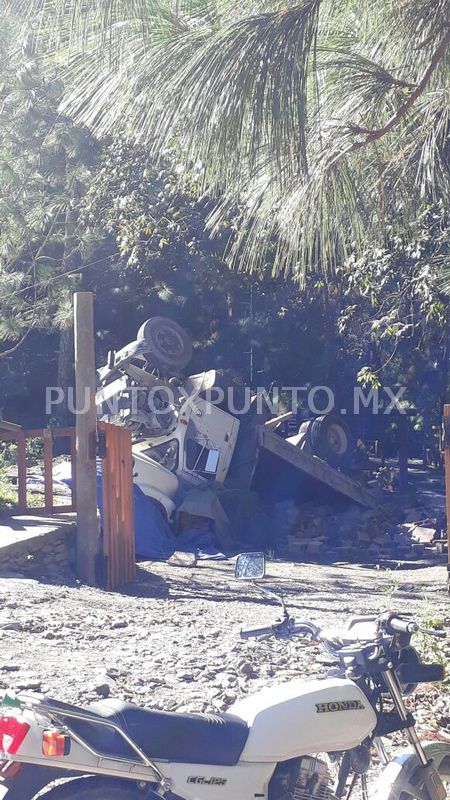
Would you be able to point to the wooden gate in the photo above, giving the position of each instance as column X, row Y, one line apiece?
column 118, row 508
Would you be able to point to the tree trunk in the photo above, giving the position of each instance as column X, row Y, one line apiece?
column 331, row 340
column 65, row 375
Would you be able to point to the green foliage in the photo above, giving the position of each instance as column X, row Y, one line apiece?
column 167, row 264
column 319, row 124
column 34, row 453
column 8, row 461
column 45, row 164
column 368, row 378
column 261, row 115
column 396, row 319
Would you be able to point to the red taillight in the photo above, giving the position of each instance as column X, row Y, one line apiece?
column 55, row 743
column 9, row 769
column 12, row 734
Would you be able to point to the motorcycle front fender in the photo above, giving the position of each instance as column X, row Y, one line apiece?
column 403, row 764
column 403, row 770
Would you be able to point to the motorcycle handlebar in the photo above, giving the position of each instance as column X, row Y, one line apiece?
column 248, row 634
column 289, row 627
column 399, row 625
column 286, row 628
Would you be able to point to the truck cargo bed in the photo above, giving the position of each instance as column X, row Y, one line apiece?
column 265, row 461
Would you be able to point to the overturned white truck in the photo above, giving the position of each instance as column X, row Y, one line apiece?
column 188, row 439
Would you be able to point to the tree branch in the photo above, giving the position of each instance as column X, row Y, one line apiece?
column 378, row 133
column 17, row 345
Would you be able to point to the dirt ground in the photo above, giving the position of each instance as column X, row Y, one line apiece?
column 171, row 640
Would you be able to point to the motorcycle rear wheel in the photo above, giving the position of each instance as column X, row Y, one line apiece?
column 93, row 788
column 409, row 785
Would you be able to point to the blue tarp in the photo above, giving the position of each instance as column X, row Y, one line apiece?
column 153, row 535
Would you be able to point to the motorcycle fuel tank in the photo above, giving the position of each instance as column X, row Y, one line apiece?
column 299, row 717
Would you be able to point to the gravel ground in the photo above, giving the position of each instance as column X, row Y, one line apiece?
column 171, row 641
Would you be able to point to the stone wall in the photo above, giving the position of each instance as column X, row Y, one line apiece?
column 49, row 555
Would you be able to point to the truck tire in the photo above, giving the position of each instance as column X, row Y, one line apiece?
column 169, row 346
column 330, row 438
column 93, row 788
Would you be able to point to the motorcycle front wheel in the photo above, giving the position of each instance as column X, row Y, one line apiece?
column 407, row 783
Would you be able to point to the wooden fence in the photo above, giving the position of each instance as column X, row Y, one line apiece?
column 49, row 435
column 118, row 508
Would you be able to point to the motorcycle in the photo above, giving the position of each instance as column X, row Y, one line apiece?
column 308, row 739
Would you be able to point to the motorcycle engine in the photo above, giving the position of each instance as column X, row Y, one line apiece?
column 304, row 778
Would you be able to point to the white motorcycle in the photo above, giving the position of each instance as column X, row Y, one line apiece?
column 301, row 740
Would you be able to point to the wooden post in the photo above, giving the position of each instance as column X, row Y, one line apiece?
column 86, row 428
column 22, row 494
column 48, row 469
column 446, row 443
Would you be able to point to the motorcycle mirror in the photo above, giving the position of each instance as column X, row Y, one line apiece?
column 250, row 566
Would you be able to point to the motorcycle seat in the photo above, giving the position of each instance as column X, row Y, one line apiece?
column 164, row 736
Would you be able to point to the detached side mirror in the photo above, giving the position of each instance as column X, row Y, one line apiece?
column 250, row 566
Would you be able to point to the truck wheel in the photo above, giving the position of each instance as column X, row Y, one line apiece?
column 92, row 788
column 169, row 346
column 330, row 438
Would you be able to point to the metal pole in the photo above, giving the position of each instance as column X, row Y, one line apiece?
column 86, row 428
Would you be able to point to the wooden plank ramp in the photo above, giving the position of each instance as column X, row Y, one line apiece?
column 315, row 468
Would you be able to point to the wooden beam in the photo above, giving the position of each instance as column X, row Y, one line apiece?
column 271, row 424
column 9, row 426
column 86, row 429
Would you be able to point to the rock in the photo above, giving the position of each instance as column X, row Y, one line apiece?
column 230, row 697
column 103, row 690
column 11, row 626
column 422, row 534
column 185, row 676
column 113, row 673
column 31, row 685
column 180, row 559
column 248, row 669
